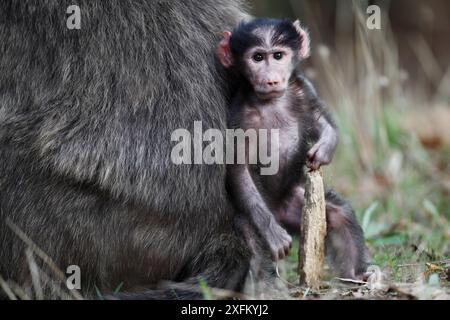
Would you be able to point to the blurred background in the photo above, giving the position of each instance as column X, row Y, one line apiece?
column 389, row 91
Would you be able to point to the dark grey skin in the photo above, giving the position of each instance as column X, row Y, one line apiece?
column 303, row 120
column 85, row 123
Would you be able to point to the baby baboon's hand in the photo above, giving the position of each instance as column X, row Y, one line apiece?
column 320, row 154
column 279, row 241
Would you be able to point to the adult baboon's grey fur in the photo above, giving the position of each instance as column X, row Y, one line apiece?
column 85, row 123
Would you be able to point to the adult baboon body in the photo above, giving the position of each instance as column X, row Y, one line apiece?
column 85, row 123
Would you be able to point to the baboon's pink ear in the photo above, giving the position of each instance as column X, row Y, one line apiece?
column 224, row 51
column 304, row 40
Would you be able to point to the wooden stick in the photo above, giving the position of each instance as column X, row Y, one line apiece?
column 312, row 231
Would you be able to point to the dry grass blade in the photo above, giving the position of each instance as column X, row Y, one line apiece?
column 9, row 293
column 32, row 247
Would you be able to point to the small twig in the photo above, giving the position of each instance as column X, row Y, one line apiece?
column 410, row 265
column 351, row 280
column 422, row 263
column 285, row 281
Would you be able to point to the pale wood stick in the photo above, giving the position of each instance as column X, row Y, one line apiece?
column 313, row 231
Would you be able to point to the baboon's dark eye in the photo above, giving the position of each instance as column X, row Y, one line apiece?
column 278, row 55
column 258, row 57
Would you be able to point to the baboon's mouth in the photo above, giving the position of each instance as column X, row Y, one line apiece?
column 265, row 95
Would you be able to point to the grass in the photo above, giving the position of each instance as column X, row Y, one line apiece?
column 401, row 201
